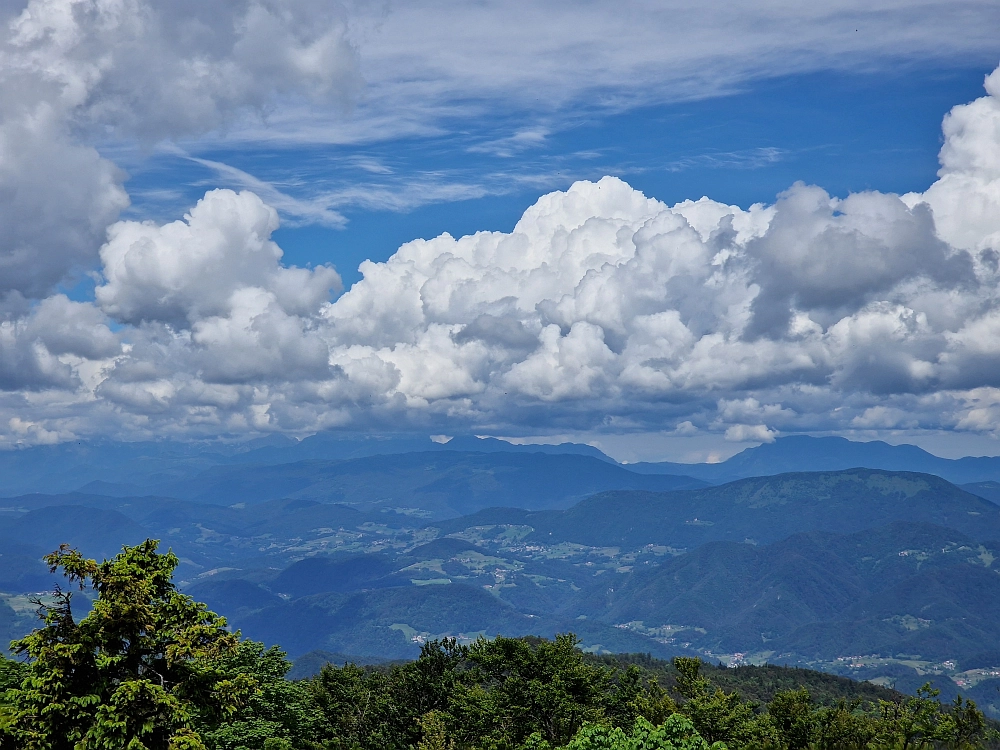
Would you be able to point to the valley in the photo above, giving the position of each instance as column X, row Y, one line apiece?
column 885, row 576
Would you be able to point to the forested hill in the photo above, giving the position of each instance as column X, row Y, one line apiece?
column 762, row 509
column 887, row 576
column 149, row 668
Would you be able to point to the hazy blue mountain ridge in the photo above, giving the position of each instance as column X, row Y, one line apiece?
column 798, row 453
column 442, row 483
column 164, row 467
column 806, row 567
column 137, row 468
column 760, row 509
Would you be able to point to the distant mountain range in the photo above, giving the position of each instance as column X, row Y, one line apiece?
column 756, row 510
column 441, row 483
column 137, row 468
column 218, row 472
column 852, row 563
column 642, row 568
column 804, row 453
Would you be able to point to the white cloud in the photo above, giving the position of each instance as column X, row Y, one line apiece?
column 163, row 70
column 306, row 211
column 191, row 272
column 966, row 196
column 750, row 433
column 431, row 63
column 56, row 199
column 602, row 309
column 77, row 72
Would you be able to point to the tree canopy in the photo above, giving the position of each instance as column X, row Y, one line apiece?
column 148, row 668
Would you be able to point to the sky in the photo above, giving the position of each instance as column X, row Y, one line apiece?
column 669, row 229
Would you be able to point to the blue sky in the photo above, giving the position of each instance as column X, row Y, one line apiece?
column 846, row 131
column 193, row 186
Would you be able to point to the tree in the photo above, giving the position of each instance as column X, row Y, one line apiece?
column 717, row 715
column 279, row 712
column 492, row 694
column 137, row 672
column 544, row 686
column 675, row 733
column 791, row 713
column 922, row 722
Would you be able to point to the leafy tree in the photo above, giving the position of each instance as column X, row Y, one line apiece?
column 490, row 694
column 676, row 733
column 435, row 734
column 137, row 672
column 545, row 687
column 358, row 709
column 921, row 722
column 792, row 717
column 717, row 715
column 278, row 715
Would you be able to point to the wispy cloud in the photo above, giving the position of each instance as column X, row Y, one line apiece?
column 512, row 145
column 405, row 196
column 316, row 210
column 315, row 202
column 431, row 66
column 753, row 158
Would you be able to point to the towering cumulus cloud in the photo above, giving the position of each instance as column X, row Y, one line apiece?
column 77, row 72
column 602, row 309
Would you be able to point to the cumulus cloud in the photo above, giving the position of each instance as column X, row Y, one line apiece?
column 211, row 304
column 74, row 73
column 602, row 309
column 163, row 70
column 47, row 347
column 750, row 433
column 78, row 74
column 186, row 272
column 57, row 197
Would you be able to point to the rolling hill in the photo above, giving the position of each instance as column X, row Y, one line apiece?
column 761, row 509
column 907, row 588
column 442, row 483
column 810, row 568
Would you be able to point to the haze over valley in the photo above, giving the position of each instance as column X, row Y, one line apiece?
column 884, row 573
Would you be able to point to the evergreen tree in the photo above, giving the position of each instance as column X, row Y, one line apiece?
column 137, row 672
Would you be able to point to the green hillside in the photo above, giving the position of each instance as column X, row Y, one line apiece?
column 883, row 575
column 911, row 589
column 85, row 673
column 762, row 509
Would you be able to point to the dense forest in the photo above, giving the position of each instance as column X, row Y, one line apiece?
column 149, row 668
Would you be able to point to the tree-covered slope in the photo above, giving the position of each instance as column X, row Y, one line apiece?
column 761, row 509
column 915, row 589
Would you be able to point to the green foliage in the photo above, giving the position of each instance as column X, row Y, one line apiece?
column 134, row 673
column 920, row 722
column 279, row 715
column 151, row 669
column 718, row 716
column 676, row 733
column 11, row 673
column 757, row 684
column 434, row 732
column 491, row 694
